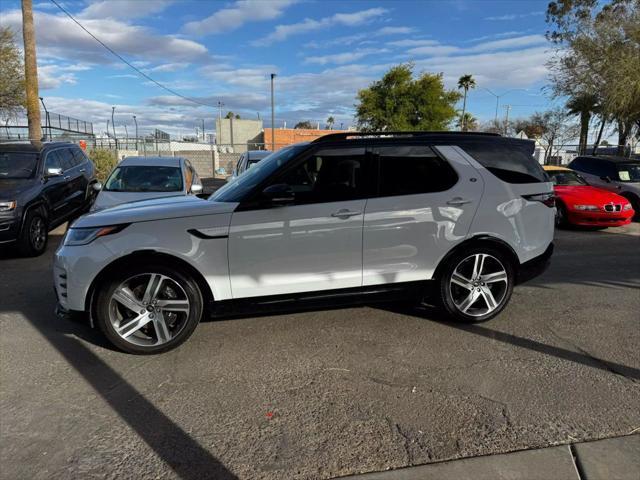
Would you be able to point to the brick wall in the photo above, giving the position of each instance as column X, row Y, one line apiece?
column 288, row 136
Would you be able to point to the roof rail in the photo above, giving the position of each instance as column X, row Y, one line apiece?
column 347, row 135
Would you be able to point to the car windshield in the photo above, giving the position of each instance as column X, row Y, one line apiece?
column 629, row 172
column 144, row 178
column 566, row 178
column 238, row 187
column 17, row 165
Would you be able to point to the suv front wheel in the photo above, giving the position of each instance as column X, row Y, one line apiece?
column 476, row 284
column 34, row 234
column 149, row 309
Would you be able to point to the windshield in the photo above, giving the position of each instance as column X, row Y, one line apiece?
column 629, row 172
column 238, row 187
column 144, row 178
column 566, row 178
column 17, row 165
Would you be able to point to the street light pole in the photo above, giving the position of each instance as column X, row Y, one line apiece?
column 506, row 120
column 46, row 113
column 273, row 121
column 113, row 125
column 219, row 133
column 501, row 95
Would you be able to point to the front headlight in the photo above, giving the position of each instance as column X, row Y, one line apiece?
column 83, row 236
column 588, row 208
column 8, row 206
column 626, row 207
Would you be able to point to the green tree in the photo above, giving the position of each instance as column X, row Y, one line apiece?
column 232, row 115
column 599, row 55
column 467, row 122
column 305, row 124
column 12, row 87
column 399, row 102
column 465, row 82
column 584, row 105
column 330, row 122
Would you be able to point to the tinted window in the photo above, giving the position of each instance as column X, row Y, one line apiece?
column 67, row 159
column 412, row 169
column 142, row 178
column 52, row 161
column 237, row 188
column 628, row 172
column 329, row 175
column 566, row 178
column 17, row 165
column 79, row 156
column 512, row 164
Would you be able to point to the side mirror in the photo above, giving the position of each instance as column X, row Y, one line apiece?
column 97, row 186
column 196, row 188
column 53, row 172
column 279, row 194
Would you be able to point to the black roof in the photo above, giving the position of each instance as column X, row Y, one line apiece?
column 359, row 135
column 611, row 158
column 33, row 147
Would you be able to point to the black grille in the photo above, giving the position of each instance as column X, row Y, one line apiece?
column 612, row 208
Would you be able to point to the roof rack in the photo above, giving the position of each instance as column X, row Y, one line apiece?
column 346, row 135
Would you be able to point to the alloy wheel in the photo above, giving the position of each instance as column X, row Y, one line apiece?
column 149, row 309
column 37, row 233
column 478, row 284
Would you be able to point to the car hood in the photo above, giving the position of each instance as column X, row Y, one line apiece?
column 156, row 209
column 108, row 199
column 588, row 195
column 11, row 188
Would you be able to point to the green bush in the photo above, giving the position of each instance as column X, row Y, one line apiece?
column 104, row 160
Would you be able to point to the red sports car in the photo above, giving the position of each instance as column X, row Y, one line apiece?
column 578, row 203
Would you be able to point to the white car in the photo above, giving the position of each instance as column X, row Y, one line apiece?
column 345, row 217
column 142, row 178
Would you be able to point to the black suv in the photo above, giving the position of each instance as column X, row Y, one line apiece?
column 42, row 185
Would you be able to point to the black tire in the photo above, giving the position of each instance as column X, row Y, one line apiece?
column 635, row 204
column 104, row 307
column 446, row 289
column 34, row 235
column 562, row 219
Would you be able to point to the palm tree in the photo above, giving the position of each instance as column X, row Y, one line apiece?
column 466, row 82
column 583, row 104
column 330, row 122
column 467, row 122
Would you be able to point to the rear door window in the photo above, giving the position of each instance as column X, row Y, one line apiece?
column 510, row 164
column 411, row 170
column 67, row 159
column 52, row 161
column 79, row 156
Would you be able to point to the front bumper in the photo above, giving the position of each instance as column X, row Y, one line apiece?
column 536, row 266
column 9, row 230
column 599, row 219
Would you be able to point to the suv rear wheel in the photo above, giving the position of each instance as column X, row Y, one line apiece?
column 149, row 309
column 34, row 235
column 476, row 284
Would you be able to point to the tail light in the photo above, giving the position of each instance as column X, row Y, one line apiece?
column 549, row 199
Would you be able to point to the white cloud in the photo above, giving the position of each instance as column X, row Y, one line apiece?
column 123, row 9
column 54, row 76
column 169, row 67
column 346, row 57
column 434, row 50
column 409, row 42
column 514, row 16
column 282, row 32
column 496, row 35
column 494, row 45
column 59, row 37
column 394, row 31
column 242, row 11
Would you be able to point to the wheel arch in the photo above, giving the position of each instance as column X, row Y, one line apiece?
column 479, row 240
column 142, row 256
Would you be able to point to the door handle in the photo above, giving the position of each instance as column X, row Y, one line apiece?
column 345, row 213
column 67, row 177
column 458, row 201
column 82, row 170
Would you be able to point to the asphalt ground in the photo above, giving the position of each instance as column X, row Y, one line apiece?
column 321, row 394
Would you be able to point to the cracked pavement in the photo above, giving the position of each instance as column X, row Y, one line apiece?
column 320, row 394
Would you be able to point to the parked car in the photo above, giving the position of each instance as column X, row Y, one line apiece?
column 142, row 178
column 249, row 159
column 620, row 175
column 344, row 218
column 42, row 185
column 578, row 203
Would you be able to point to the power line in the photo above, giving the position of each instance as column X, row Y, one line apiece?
column 173, row 92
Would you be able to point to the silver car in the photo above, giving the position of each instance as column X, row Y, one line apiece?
column 620, row 175
column 143, row 178
column 249, row 159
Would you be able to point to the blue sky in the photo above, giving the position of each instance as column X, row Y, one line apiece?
column 322, row 52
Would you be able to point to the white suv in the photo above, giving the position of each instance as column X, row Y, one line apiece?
column 345, row 217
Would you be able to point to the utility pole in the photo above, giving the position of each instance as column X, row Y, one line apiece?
column 136, row 122
column 219, row 133
column 273, row 121
column 203, row 129
column 31, row 71
column 506, row 120
column 113, row 125
column 46, row 113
